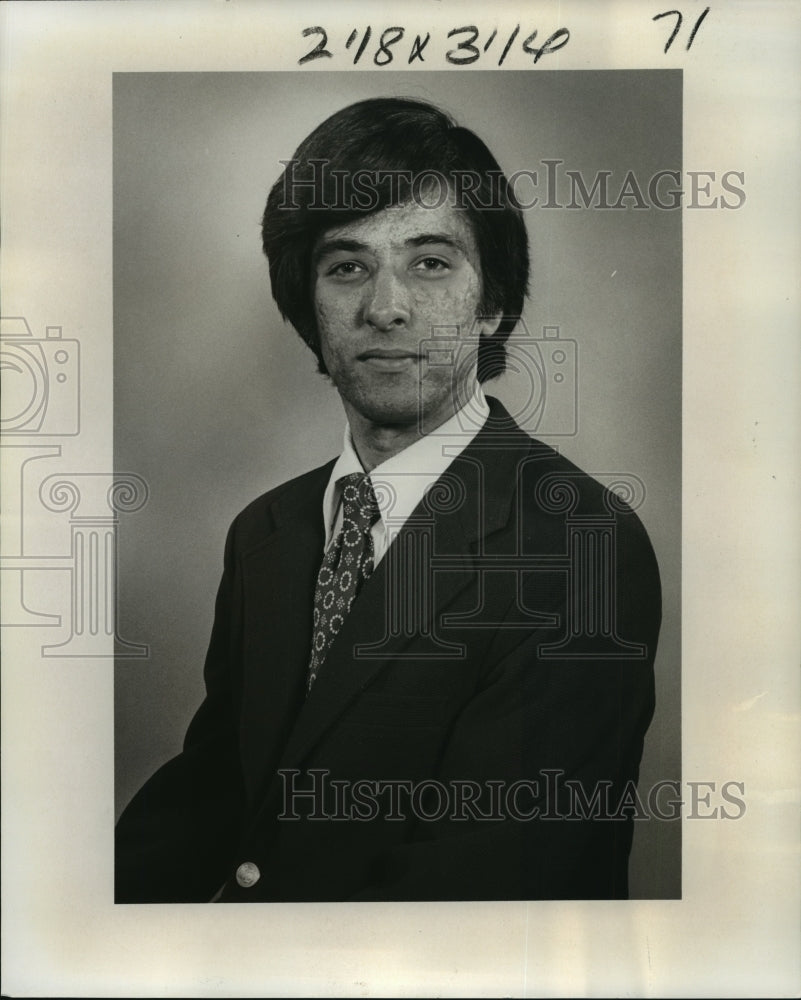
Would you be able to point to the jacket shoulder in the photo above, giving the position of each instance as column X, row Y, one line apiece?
column 301, row 494
column 567, row 511
column 546, row 480
column 557, row 485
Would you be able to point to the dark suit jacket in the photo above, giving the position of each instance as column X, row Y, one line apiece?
column 482, row 710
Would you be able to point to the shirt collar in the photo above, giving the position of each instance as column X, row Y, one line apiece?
column 407, row 475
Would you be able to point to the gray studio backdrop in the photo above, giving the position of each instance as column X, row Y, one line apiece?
column 216, row 400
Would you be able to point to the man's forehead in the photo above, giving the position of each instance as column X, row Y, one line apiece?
column 407, row 223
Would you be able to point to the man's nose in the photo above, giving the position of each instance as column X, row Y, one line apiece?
column 387, row 305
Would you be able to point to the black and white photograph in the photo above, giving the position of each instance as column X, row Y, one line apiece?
column 477, row 728
column 399, row 425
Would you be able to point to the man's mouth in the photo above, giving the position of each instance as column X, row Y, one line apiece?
column 389, row 359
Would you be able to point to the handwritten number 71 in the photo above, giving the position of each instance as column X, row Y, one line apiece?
column 679, row 19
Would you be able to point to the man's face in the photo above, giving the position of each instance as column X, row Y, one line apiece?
column 383, row 285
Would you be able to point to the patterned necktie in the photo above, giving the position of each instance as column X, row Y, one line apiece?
column 347, row 564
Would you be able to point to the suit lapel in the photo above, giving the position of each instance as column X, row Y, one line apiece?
column 397, row 610
column 279, row 578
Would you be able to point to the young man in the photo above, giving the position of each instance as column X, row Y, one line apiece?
column 431, row 668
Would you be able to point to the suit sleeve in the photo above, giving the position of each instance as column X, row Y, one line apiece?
column 176, row 839
column 561, row 740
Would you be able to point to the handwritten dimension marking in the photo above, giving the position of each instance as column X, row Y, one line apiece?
column 463, row 51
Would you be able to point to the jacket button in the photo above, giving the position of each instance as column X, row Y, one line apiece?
column 247, row 874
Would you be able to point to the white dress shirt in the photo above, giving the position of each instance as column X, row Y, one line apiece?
column 401, row 481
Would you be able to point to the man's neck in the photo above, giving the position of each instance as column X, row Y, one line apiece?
column 376, row 443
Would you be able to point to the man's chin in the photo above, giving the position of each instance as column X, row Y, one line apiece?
column 407, row 412
column 401, row 405
column 392, row 414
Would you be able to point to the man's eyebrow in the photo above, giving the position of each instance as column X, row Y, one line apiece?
column 337, row 243
column 448, row 239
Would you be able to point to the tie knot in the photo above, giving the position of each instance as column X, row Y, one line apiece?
column 359, row 503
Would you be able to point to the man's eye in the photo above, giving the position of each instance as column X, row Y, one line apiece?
column 432, row 265
column 346, row 269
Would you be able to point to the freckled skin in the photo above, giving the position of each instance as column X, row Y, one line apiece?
column 380, row 285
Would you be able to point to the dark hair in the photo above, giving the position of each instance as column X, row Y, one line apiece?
column 374, row 154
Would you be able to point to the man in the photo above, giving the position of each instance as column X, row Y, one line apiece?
column 431, row 668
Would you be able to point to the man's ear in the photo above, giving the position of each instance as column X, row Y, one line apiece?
column 488, row 325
